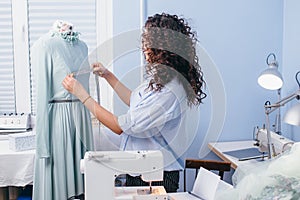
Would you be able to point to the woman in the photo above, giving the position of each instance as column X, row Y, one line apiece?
column 157, row 107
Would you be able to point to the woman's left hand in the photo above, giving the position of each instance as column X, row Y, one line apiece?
column 75, row 87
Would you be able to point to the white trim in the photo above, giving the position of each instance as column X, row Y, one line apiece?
column 21, row 56
column 143, row 17
column 104, row 51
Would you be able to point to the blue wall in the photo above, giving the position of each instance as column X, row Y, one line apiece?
column 291, row 58
column 238, row 36
column 126, row 19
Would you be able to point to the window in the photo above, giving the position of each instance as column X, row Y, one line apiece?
column 7, row 85
column 42, row 14
column 23, row 22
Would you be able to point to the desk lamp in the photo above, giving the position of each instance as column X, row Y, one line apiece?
column 271, row 79
column 292, row 116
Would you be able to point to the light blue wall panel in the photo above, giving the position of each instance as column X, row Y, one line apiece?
column 238, row 35
column 291, row 57
column 126, row 24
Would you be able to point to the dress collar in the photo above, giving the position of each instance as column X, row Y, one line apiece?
column 64, row 29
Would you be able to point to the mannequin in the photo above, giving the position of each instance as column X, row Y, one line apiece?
column 63, row 124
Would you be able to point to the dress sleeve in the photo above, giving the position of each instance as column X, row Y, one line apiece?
column 42, row 66
column 150, row 113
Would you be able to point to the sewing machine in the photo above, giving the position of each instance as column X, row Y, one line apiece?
column 100, row 169
column 279, row 142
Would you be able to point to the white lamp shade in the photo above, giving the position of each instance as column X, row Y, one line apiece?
column 270, row 79
column 292, row 116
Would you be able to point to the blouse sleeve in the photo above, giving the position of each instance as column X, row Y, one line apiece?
column 42, row 65
column 151, row 113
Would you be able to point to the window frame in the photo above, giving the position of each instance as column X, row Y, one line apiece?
column 21, row 56
column 104, row 21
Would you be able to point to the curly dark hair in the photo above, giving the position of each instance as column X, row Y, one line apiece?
column 170, row 49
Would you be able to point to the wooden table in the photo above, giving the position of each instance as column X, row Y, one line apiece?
column 220, row 147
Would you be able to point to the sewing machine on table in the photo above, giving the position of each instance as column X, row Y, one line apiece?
column 100, row 169
column 279, row 143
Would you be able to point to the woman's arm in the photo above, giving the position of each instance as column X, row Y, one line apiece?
column 122, row 91
column 104, row 116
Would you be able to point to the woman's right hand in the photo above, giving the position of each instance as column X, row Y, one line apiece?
column 74, row 87
column 99, row 69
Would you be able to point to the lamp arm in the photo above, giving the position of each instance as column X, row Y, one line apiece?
column 282, row 102
column 269, row 109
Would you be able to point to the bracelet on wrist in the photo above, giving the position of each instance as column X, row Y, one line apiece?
column 83, row 102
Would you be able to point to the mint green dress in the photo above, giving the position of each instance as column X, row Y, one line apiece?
column 63, row 128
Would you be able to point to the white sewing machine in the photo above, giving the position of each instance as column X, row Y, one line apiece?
column 102, row 167
column 279, row 142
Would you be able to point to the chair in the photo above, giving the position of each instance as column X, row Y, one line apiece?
column 216, row 165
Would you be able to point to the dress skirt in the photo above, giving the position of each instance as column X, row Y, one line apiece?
column 58, row 177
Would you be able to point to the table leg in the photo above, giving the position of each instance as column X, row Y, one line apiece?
column 3, row 193
column 13, row 193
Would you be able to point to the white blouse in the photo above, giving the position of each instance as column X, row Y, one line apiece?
column 156, row 121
